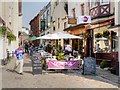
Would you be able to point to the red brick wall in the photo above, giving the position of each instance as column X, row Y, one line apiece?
column 34, row 26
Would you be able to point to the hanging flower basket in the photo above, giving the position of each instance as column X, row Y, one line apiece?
column 98, row 35
column 87, row 35
column 3, row 30
column 10, row 36
column 106, row 34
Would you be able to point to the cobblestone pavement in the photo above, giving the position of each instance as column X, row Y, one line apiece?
column 70, row 79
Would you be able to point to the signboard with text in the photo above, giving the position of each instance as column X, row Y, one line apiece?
column 83, row 19
column 36, row 64
column 54, row 64
column 89, row 66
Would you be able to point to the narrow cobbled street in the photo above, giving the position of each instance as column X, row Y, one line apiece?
column 70, row 79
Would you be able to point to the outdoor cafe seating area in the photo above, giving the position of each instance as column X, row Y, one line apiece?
column 61, row 61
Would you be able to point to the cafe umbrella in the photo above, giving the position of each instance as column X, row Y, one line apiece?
column 31, row 38
column 59, row 35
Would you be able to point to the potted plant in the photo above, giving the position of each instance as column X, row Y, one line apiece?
column 98, row 35
column 106, row 34
column 60, row 57
column 103, row 64
column 87, row 35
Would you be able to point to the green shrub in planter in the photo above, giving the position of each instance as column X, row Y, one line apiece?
column 106, row 33
column 103, row 64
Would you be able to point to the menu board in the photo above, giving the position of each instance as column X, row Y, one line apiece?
column 36, row 64
column 89, row 66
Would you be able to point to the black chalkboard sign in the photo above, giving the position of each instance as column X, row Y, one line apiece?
column 36, row 64
column 89, row 66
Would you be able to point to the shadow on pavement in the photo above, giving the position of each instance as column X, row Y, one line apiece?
column 11, row 70
column 29, row 72
column 27, row 65
column 93, row 77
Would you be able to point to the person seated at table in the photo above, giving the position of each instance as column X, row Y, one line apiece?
column 68, row 49
column 77, row 56
column 54, row 51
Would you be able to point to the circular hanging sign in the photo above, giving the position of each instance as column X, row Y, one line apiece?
column 85, row 18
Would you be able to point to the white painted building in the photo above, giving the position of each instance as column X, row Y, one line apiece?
column 12, row 18
column 117, row 28
column 59, row 13
column 45, row 18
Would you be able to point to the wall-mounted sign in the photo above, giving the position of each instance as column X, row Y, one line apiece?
column 83, row 19
column 72, row 21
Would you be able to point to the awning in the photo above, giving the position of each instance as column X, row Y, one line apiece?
column 32, row 38
column 74, row 27
column 59, row 35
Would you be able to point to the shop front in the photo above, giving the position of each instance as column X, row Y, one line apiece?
column 105, row 43
column 78, row 44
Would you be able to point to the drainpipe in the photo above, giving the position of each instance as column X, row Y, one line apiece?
column 119, row 48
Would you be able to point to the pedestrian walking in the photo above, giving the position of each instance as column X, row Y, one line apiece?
column 19, row 59
column 26, row 47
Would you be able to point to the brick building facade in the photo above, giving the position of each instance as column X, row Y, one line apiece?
column 35, row 29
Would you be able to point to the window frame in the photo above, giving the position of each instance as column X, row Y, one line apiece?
column 74, row 12
column 103, row 3
column 83, row 9
column 91, row 1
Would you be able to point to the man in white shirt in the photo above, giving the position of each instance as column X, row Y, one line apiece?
column 68, row 49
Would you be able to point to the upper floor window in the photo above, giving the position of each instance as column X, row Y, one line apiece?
column 44, row 16
column 65, row 24
column 58, row 22
column 104, row 2
column 48, row 13
column 82, row 8
column 56, row 3
column 73, row 11
column 93, row 3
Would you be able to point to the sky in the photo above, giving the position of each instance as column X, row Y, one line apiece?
column 30, row 10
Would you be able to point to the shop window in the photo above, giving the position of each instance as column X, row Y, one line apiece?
column 115, row 45
column 114, row 41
